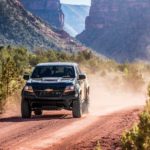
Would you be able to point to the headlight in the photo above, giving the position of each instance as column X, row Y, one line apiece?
column 28, row 89
column 69, row 88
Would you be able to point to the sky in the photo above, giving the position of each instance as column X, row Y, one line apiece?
column 78, row 2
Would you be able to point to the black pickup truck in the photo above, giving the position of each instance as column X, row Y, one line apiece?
column 55, row 86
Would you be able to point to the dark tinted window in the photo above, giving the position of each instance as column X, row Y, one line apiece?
column 53, row 71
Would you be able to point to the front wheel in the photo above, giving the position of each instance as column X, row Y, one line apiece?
column 77, row 109
column 25, row 109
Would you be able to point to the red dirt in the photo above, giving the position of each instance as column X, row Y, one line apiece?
column 50, row 131
column 16, row 132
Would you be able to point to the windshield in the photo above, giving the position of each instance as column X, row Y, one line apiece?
column 53, row 71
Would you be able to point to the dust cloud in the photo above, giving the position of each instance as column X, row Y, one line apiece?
column 107, row 95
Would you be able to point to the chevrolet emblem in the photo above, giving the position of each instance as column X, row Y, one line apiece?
column 48, row 90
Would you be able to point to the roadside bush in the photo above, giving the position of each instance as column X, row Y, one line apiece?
column 138, row 138
column 12, row 64
column 98, row 146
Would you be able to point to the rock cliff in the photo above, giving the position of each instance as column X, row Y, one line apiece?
column 20, row 28
column 119, row 29
column 48, row 10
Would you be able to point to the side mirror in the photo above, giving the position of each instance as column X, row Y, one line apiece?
column 26, row 77
column 82, row 76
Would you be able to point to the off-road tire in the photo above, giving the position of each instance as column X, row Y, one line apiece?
column 25, row 109
column 77, row 109
column 38, row 112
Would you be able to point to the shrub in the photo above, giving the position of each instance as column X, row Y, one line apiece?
column 138, row 138
column 12, row 63
column 98, row 146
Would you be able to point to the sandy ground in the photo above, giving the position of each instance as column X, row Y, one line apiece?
column 113, row 109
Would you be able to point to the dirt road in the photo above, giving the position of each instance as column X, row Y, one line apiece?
column 112, row 111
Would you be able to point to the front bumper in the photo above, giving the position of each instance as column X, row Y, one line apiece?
column 50, row 103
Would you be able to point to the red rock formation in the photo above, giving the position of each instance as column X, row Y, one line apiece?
column 48, row 10
column 21, row 28
column 119, row 29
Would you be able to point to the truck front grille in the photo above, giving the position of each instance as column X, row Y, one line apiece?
column 48, row 94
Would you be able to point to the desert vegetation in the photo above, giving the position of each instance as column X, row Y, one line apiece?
column 16, row 61
column 138, row 138
column 12, row 64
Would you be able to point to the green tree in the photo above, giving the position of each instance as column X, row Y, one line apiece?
column 9, row 71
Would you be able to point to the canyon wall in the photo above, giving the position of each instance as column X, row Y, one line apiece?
column 48, row 10
column 118, row 29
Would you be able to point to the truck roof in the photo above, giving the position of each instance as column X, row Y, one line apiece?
column 58, row 63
